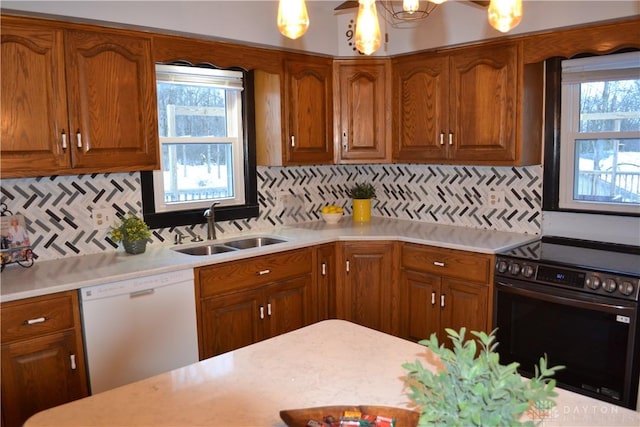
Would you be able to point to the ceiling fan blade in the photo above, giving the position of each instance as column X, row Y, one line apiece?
column 347, row 5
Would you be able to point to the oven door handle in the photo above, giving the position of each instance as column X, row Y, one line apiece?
column 560, row 296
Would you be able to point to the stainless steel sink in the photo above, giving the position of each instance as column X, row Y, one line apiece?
column 233, row 245
column 205, row 249
column 253, row 242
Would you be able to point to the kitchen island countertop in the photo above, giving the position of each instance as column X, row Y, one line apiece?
column 333, row 362
column 46, row 277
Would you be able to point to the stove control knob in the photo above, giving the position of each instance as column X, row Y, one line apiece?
column 527, row 271
column 626, row 288
column 501, row 266
column 593, row 282
column 610, row 285
column 514, row 268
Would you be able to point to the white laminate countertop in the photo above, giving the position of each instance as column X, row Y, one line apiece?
column 333, row 362
column 46, row 277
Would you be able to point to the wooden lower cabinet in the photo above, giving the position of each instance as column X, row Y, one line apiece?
column 242, row 302
column 366, row 283
column 42, row 355
column 443, row 288
column 326, row 265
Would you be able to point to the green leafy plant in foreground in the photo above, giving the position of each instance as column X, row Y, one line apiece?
column 476, row 390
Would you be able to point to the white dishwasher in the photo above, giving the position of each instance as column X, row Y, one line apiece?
column 137, row 328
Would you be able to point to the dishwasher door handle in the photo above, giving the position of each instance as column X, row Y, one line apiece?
column 141, row 293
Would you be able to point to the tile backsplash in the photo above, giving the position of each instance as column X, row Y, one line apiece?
column 58, row 209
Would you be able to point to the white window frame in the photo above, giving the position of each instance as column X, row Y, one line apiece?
column 233, row 82
column 576, row 71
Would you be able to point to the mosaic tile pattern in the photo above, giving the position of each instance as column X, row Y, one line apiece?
column 58, row 209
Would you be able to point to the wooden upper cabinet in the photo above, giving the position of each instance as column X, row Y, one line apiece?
column 33, row 100
column 421, row 90
column 362, row 111
column 99, row 117
column 475, row 105
column 308, row 111
column 483, row 96
column 112, row 101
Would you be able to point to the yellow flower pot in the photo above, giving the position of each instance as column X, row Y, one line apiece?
column 362, row 210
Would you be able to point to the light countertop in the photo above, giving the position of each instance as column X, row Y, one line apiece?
column 333, row 362
column 46, row 277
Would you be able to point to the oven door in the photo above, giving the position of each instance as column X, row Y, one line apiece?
column 594, row 337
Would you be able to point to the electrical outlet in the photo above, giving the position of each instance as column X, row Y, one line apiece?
column 101, row 218
column 496, row 199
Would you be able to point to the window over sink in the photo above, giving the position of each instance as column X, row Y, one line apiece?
column 205, row 123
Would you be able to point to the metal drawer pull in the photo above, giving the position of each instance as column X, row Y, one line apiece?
column 141, row 293
column 79, row 138
column 263, row 272
column 72, row 359
column 64, row 140
column 347, row 266
column 261, row 312
column 438, row 263
column 293, row 141
column 441, row 138
column 442, row 300
column 35, row 321
column 324, row 269
column 433, row 298
column 269, row 309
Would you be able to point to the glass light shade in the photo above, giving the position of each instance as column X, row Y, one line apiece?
column 505, row 15
column 368, row 36
column 437, row 1
column 293, row 19
column 410, row 6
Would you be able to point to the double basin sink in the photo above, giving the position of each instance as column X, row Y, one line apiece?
column 233, row 245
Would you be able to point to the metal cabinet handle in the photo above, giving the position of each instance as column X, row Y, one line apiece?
column 293, row 141
column 324, row 269
column 345, row 142
column 263, row 272
column 441, row 138
column 35, row 321
column 347, row 266
column 442, row 300
column 72, row 359
column 438, row 263
column 268, row 309
column 450, row 138
column 64, row 140
column 261, row 312
column 433, row 298
column 79, row 138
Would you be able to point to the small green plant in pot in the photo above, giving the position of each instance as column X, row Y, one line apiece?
column 362, row 193
column 474, row 389
column 133, row 232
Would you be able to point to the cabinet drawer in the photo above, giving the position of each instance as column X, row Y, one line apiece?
column 247, row 273
column 447, row 262
column 37, row 316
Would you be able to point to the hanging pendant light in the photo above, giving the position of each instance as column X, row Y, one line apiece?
column 293, row 19
column 505, row 15
column 368, row 36
column 410, row 6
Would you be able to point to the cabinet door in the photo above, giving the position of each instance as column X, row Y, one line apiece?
column 308, row 111
column 229, row 322
column 421, row 90
column 362, row 114
column 33, row 102
column 419, row 305
column 464, row 304
column 289, row 305
column 367, row 285
column 112, row 104
column 40, row 373
column 483, row 102
column 326, row 264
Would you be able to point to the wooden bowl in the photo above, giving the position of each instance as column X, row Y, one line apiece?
column 300, row 417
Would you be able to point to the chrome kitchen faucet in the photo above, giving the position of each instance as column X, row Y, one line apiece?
column 210, row 214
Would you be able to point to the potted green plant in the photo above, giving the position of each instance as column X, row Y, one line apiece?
column 362, row 193
column 474, row 388
column 133, row 232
